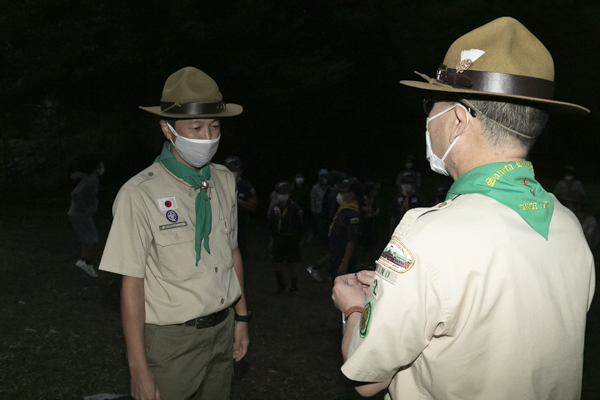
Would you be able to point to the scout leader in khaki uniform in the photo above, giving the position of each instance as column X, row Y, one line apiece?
column 485, row 295
column 174, row 240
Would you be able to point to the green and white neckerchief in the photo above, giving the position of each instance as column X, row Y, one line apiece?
column 198, row 180
column 512, row 184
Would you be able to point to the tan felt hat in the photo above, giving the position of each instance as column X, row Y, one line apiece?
column 190, row 93
column 501, row 58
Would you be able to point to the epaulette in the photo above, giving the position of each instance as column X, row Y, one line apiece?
column 149, row 173
column 412, row 215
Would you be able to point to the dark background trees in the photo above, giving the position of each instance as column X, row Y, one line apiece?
column 318, row 81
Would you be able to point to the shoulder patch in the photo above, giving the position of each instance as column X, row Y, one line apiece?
column 365, row 319
column 396, row 257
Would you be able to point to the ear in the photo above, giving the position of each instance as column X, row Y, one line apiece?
column 461, row 123
column 166, row 131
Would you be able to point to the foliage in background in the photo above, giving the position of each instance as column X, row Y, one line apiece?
column 318, row 80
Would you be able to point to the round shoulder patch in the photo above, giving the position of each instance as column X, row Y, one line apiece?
column 365, row 319
column 396, row 256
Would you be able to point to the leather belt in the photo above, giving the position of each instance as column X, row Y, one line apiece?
column 209, row 321
column 495, row 82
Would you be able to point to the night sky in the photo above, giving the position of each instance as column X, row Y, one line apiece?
column 318, row 81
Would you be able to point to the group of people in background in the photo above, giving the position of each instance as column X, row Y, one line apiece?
column 344, row 216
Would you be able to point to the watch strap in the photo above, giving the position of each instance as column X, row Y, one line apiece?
column 352, row 310
column 243, row 318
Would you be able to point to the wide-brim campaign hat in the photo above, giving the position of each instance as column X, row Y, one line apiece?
column 500, row 59
column 191, row 93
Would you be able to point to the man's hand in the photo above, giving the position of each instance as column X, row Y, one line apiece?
column 351, row 290
column 242, row 340
column 143, row 386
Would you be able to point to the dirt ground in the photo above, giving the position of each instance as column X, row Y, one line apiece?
column 60, row 331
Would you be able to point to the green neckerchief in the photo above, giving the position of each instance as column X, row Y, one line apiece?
column 512, row 184
column 353, row 205
column 195, row 179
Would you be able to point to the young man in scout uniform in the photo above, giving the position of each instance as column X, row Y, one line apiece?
column 485, row 295
column 174, row 240
column 406, row 199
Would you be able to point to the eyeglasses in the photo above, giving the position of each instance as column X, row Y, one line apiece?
column 429, row 103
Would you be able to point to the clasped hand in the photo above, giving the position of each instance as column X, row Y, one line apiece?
column 351, row 289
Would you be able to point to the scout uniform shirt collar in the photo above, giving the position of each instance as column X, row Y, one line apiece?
column 512, row 184
column 198, row 180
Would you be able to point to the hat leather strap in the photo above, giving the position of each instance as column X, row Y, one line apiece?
column 494, row 82
column 193, row 108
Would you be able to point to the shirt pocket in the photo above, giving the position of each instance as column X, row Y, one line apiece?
column 176, row 253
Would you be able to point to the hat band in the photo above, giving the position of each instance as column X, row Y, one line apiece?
column 494, row 82
column 193, row 108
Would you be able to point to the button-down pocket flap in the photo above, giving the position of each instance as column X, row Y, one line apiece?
column 173, row 236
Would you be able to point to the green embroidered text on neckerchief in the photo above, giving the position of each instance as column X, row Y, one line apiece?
column 512, row 184
column 195, row 179
column 353, row 205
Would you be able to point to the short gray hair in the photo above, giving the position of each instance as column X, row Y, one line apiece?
column 528, row 120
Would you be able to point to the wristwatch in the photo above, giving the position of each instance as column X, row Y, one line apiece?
column 243, row 318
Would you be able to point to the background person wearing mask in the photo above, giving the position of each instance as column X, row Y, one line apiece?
column 174, row 240
column 344, row 232
column 285, row 224
column 406, row 199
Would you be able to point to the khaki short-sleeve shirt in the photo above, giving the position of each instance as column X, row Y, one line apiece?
column 153, row 237
column 469, row 302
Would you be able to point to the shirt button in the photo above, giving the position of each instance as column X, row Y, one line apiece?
column 216, row 269
column 150, row 173
column 222, row 301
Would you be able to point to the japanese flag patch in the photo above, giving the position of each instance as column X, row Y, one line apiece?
column 396, row 257
column 168, row 203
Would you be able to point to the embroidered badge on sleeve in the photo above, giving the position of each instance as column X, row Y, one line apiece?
column 396, row 257
column 365, row 319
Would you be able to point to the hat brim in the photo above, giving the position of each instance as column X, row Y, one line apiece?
column 433, row 85
column 230, row 111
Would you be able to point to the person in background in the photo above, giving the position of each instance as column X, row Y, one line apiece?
column 409, row 166
column 406, row 199
column 569, row 186
column 369, row 237
column 575, row 203
column 84, row 203
column 174, row 240
column 316, row 204
column 247, row 202
column 300, row 192
column 285, row 224
column 344, row 232
column 329, row 209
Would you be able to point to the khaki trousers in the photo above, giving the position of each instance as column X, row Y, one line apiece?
column 190, row 363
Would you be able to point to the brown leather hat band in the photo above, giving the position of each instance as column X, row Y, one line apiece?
column 494, row 82
column 193, row 108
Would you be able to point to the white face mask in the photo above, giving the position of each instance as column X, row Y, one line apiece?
column 283, row 197
column 406, row 187
column 299, row 181
column 196, row 152
column 340, row 199
column 437, row 164
column 235, row 174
